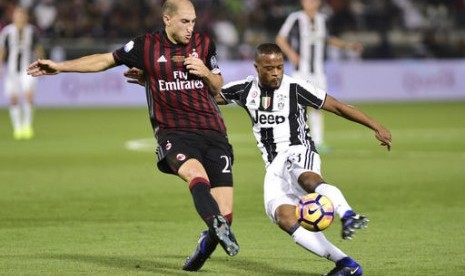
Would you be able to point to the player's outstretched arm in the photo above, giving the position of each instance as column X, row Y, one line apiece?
column 86, row 64
column 351, row 113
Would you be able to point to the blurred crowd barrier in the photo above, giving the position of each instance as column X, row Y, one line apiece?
column 367, row 81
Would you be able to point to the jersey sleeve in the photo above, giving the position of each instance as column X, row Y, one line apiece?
column 131, row 54
column 309, row 94
column 288, row 24
column 212, row 61
column 236, row 91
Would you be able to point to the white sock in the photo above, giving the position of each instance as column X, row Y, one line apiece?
column 28, row 112
column 317, row 243
column 15, row 116
column 335, row 195
column 316, row 126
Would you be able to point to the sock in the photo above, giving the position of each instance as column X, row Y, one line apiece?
column 317, row 243
column 15, row 116
column 316, row 126
column 28, row 112
column 229, row 218
column 335, row 195
column 209, row 244
column 204, row 202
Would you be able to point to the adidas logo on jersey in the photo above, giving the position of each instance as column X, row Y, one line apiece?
column 161, row 59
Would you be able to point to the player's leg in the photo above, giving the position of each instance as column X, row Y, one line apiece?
column 351, row 221
column 316, row 117
column 316, row 123
column 28, row 83
column 314, row 242
column 217, row 162
column 12, row 93
column 208, row 241
column 307, row 170
column 28, row 110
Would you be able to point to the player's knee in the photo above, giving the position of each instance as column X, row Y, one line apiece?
column 285, row 217
column 309, row 181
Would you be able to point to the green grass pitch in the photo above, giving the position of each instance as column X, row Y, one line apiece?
column 75, row 201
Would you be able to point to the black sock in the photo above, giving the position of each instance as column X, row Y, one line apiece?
column 204, row 202
column 293, row 228
column 209, row 243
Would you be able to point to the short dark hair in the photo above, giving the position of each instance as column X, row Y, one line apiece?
column 267, row 49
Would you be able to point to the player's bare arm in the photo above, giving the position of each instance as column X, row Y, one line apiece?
column 2, row 58
column 287, row 49
column 353, row 114
column 344, row 44
column 86, row 64
column 196, row 67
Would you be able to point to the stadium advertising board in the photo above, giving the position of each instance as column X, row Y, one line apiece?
column 367, row 81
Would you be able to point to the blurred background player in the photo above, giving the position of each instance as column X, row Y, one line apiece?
column 19, row 45
column 303, row 38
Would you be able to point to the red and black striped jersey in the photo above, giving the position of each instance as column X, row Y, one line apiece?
column 177, row 100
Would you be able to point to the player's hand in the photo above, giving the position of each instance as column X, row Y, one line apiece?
column 384, row 136
column 355, row 46
column 135, row 75
column 42, row 67
column 196, row 67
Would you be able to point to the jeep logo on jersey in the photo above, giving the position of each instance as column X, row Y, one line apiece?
column 268, row 118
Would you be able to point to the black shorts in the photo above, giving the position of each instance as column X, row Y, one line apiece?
column 211, row 148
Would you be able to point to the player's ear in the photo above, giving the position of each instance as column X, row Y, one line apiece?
column 166, row 19
column 256, row 67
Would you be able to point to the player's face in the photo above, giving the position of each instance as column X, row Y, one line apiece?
column 310, row 5
column 20, row 17
column 270, row 69
column 180, row 25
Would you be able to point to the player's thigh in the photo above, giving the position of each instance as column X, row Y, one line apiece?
column 303, row 159
column 182, row 156
column 218, row 161
column 12, row 85
column 192, row 168
column 278, row 188
column 28, row 83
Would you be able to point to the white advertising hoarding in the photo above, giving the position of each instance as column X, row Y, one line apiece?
column 363, row 81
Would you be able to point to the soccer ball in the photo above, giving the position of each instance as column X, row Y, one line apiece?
column 315, row 212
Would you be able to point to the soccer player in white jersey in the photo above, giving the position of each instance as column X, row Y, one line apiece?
column 20, row 41
column 303, row 38
column 276, row 104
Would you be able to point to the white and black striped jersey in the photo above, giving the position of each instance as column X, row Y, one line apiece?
column 278, row 115
column 308, row 37
column 19, row 44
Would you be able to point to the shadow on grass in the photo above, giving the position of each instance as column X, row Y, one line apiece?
column 269, row 267
column 164, row 265
column 171, row 265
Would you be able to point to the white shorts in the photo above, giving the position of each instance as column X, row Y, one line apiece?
column 280, row 185
column 18, row 83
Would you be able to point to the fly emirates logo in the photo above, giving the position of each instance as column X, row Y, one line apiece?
column 181, row 82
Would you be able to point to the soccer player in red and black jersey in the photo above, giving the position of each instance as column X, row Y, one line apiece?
column 182, row 79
